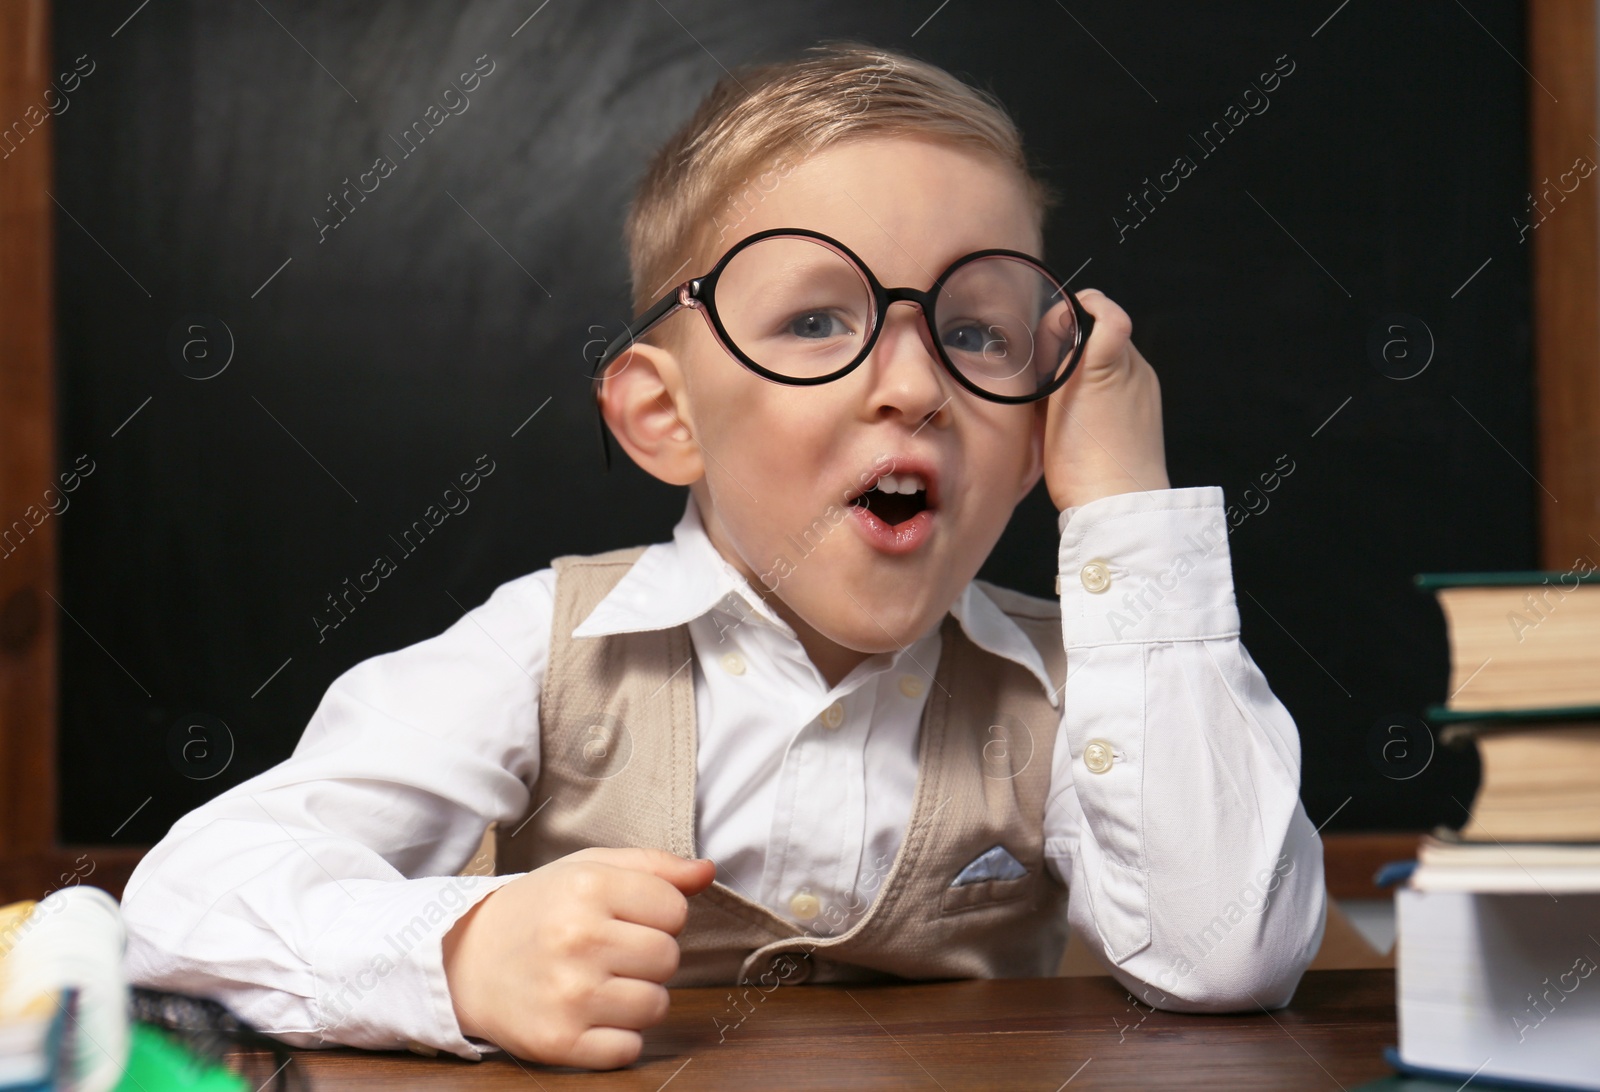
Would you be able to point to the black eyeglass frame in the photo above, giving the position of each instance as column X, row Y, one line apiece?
column 699, row 293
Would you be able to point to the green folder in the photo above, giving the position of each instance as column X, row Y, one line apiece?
column 157, row 1062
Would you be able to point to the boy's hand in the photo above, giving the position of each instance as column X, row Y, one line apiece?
column 565, row 965
column 1102, row 432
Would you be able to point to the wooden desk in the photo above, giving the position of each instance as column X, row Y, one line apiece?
column 1021, row 1033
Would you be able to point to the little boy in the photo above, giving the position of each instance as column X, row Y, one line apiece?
column 799, row 742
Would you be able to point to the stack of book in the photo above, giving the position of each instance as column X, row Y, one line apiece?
column 1499, row 926
column 67, row 1023
column 35, row 1033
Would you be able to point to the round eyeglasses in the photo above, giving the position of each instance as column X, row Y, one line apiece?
column 797, row 307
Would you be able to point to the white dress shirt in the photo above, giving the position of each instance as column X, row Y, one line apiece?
column 311, row 898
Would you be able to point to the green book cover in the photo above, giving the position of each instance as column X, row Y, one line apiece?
column 1569, row 579
column 1438, row 714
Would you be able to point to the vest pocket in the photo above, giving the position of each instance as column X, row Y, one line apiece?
column 974, row 896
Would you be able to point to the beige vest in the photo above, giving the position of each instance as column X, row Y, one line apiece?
column 617, row 768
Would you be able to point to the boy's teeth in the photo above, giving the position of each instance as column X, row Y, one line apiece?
column 901, row 483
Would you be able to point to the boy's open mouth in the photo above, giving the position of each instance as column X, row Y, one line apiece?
column 894, row 498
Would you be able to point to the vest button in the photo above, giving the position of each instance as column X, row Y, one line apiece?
column 805, row 906
column 788, row 968
column 802, row 964
column 832, row 716
column 1097, row 756
column 1096, row 576
column 733, row 663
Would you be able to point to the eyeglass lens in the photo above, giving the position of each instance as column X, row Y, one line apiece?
column 801, row 309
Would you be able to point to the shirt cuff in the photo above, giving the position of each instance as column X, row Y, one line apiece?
column 380, row 967
column 1142, row 567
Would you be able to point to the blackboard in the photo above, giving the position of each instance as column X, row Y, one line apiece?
column 266, row 401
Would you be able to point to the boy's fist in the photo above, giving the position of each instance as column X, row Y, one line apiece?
column 1102, row 432
column 565, row 964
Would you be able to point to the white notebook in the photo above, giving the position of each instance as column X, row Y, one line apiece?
column 1500, row 985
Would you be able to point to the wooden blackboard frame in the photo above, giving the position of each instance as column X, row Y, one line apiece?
column 1566, row 289
column 32, row 861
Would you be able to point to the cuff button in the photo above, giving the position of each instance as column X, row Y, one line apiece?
column 1096, row 576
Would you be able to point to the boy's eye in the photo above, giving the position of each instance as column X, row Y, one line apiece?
column 972, row 338
column 817, row 324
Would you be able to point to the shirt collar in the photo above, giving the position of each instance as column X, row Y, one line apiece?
column 673, row 583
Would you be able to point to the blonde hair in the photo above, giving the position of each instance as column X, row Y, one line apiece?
column 764, row 119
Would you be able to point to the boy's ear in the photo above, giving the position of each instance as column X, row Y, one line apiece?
column 644, row 402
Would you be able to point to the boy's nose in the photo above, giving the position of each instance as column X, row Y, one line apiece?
column 907, row 375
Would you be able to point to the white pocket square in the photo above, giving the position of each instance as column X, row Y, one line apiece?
column 992, row 864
